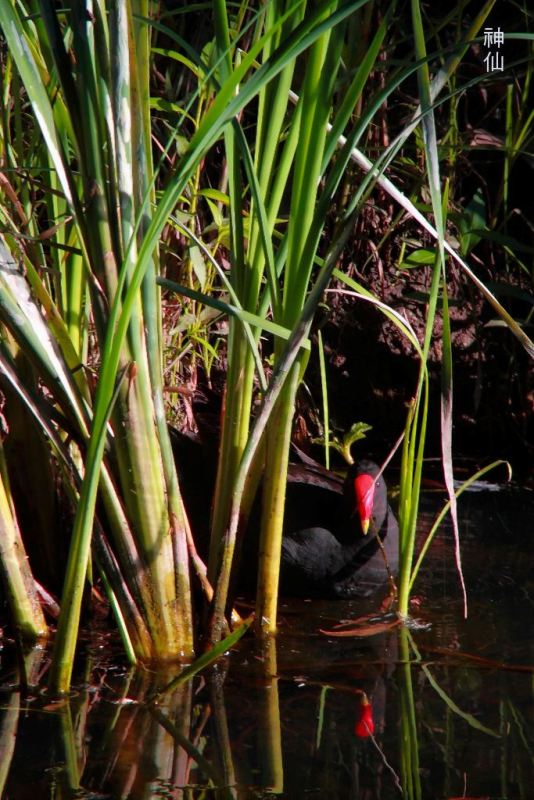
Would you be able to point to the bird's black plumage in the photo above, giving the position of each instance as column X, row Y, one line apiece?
column 324, row 552
column 339, row 560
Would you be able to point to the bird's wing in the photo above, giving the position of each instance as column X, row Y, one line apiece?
column 314, row 552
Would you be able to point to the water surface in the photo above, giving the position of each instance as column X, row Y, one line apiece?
column 452, row 701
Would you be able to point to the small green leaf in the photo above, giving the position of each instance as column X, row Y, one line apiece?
column 195, row 69
column 198, row 264
column 215, row 194
column 418, row 258
column 215, row 213
column 472, row 222
column 356, row 432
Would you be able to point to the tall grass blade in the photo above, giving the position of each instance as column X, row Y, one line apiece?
column 17, row 578
column 444, row 511
column 324, row 392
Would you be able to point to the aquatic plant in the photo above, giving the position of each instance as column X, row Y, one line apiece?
column 279, row 91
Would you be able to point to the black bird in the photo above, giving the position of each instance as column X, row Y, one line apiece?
column 330, row 545
column 341, row 556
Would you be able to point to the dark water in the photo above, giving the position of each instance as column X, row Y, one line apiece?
column 452, row 702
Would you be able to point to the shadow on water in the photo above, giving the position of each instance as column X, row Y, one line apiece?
column 445, row 710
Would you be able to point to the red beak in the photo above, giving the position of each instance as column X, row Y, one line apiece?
column 364, row 490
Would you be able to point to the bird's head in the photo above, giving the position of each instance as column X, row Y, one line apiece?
column 360, row 488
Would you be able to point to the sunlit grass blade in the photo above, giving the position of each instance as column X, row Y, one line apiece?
column 444, row 511
column 439, row 207
column 324, row 392
column 287, row 359
column 315, row 99
column 17, row 578
column 204, row 660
